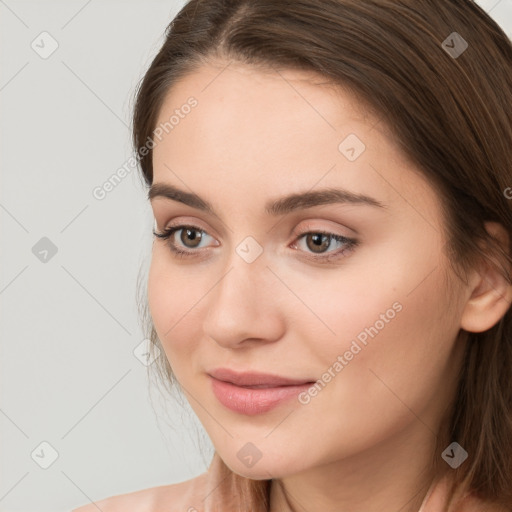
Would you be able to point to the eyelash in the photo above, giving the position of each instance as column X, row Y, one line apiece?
column 350, row 243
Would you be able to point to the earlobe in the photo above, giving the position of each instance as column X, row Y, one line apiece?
column 490, row 292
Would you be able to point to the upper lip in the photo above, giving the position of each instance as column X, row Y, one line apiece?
column 254, row 378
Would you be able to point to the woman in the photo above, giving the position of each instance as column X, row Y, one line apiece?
column 330, row 277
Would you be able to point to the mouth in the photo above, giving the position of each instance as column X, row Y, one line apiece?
column 252, row 393
column 256, row 379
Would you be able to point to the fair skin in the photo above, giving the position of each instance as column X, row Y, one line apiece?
column 364, row 442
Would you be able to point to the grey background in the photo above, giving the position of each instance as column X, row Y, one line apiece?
column 69, row 324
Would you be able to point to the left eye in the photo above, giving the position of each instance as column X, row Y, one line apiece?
column 320, row 241
column 316, row 241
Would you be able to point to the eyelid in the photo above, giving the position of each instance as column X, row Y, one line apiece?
column 309, row 227
column 313, row 227
column 183, row 221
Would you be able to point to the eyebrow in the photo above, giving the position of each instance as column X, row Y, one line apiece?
column 275, row 207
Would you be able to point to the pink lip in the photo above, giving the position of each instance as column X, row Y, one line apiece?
column 254, row 393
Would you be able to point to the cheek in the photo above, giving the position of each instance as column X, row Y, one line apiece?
column 174, row 299
column 401, row 357
column 399, row 373
column 417, row 346
column 394, row 319
column 348, row 308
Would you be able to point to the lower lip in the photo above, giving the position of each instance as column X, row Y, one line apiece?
column 251, row 401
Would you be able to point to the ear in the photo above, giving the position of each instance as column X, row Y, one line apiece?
column 490, row 292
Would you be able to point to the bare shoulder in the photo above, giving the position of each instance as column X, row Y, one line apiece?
column 184, row 496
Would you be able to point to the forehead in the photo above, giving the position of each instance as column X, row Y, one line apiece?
column 259, row 116
column 274, row 132
column 274, row 95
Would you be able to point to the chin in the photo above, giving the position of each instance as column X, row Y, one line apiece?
column 264, row 468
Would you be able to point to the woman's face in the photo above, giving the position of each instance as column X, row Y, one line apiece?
column 374, row 325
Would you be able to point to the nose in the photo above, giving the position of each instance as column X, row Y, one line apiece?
column 244, row 306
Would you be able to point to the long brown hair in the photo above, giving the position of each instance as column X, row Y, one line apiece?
column 448, row 107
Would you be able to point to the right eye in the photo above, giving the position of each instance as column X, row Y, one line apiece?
column 189, row 233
